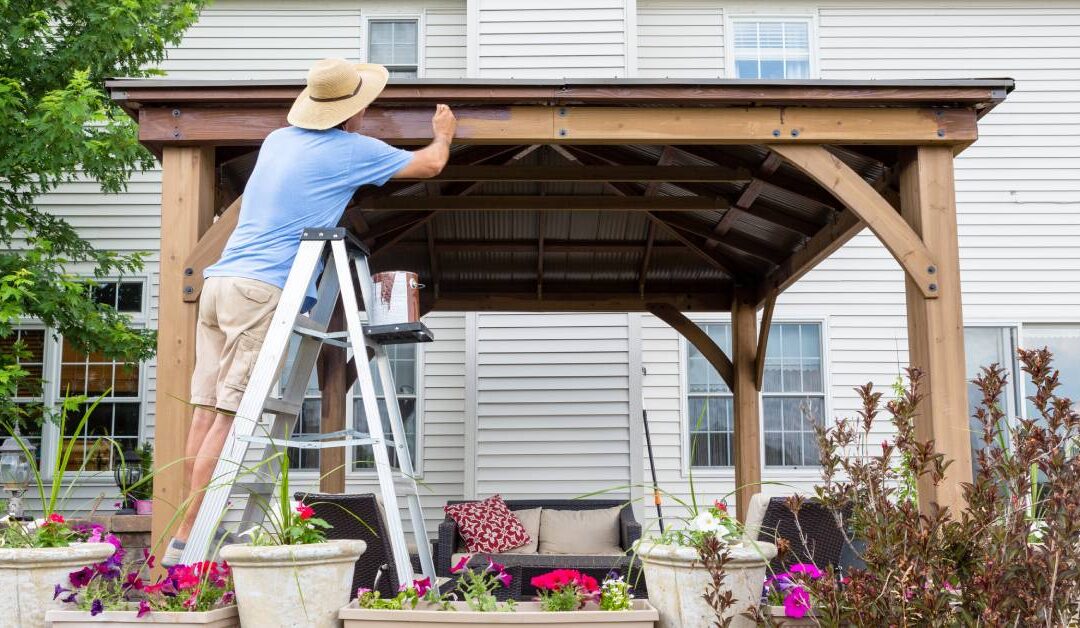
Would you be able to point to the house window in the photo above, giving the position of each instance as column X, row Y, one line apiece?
column 394, row 43
column 27, row 346
column 710, row 405
column 403, row 363
column 777, row 48
column 793, row 395
column 58, row 370
column 1064, row 342
column 116, row 415
column 983, row 346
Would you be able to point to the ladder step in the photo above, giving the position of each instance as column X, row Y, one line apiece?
column 399, row 333
column 309, row 324
column 261, row 489
column 281, row 407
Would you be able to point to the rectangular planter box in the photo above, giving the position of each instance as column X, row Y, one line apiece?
column 217, row 618
column 528, row 613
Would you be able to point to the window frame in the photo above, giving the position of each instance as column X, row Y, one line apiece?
column 421, row 36
column 52, row 394
column 732, row 18
column 728, row 473
column 351, row 473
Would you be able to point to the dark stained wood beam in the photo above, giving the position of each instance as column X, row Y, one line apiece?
column 846, row 226
column 697, row 337
column 391, row 225
column 760, row 249
column 650, row 243
column 543, row 203
column 795, row 185
column 748, row 196
column 551, row 247
column 655, row 173
column 697, row 245
column 713, row 299
column 763, row 341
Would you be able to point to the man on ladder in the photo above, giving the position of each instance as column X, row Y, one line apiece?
column 305, row 175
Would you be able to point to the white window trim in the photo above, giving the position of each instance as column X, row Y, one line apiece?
column 421, row 35
column 726, row 473
column 730, row 19
column 352, row 474
column 52, row 394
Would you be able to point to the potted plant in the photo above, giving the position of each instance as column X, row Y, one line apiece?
column 690, row 570
column 36, row 554
column 143, row 492
column 114, row 593
column 787, row 597
column 289, row 574
column 568, row 599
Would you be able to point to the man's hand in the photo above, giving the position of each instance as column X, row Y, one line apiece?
column 443, row 123
column 430, row 160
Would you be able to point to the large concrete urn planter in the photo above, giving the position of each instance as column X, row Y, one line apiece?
column 28, row 577
column 293, row 585
column 643, row 615
column 677, row 581
column 217, row 618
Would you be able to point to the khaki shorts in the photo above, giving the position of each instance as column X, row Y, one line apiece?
column 234, row 314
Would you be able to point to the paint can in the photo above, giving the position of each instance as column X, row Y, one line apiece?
column 397, row 297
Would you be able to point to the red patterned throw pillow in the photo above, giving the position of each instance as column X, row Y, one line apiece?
column 488, row 526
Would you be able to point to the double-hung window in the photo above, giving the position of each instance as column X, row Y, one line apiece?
column 394, row 43
column 793, row 396
column 58, row 369
column 404, row 365
column 771, row 48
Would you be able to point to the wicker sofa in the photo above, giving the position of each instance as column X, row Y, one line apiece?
column 523, row 567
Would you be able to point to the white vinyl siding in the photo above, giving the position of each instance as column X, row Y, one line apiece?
column 245, row 39
column 553, row 403
column 683, row 41
column 531, row 39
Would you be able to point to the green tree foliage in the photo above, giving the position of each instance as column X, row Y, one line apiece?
column 57, row 125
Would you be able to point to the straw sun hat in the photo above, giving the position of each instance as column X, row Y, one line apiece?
column 336, row 91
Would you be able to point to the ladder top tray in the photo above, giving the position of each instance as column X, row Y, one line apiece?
column 399, row 334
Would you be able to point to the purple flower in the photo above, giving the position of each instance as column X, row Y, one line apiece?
column 461, row 564
column 227, row 598
column 81, row 578
column 422, row 586
column 362, row 590
column 144, row 608
column 504, row 578
column 494, row 566
column 96, row 607
column 58, row 590
column 70, row 599
column 797, row 603
column 809, row 569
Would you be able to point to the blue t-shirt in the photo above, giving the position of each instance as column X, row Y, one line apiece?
column 302, row 179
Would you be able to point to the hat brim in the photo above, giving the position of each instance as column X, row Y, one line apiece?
column 310, row 114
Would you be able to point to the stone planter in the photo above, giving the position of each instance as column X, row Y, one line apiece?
column 217, row 618
column 677, row 581
column 528, row 613
column 293, row 585
column 28, row 578
column 779, row 619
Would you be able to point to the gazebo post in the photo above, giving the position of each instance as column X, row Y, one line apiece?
column 331, row 369
column 187, row 210
column 747, row 401
column 936, row 325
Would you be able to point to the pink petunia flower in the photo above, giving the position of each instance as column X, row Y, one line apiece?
column 810, row 569
column 796, row 603
column 461, row 564
column 422, row 586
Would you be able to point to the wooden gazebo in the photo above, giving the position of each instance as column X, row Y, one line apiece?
column 629, row 195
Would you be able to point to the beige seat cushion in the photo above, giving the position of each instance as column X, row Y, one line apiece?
column 582, row 532
column 530, row 518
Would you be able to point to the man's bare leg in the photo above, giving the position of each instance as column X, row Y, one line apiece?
column 201, row 420
column 204, row 461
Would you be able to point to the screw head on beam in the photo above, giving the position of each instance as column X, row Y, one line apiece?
column 941, row 132
column 562, row 133
column 176, row 113
column 794, row 132
column 931, row 269
column 933, row 287
column 188, row 289
column 776, row 133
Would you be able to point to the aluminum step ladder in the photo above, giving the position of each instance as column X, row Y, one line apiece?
column 346, row 261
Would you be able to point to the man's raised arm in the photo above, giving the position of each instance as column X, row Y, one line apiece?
column 430, row 160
